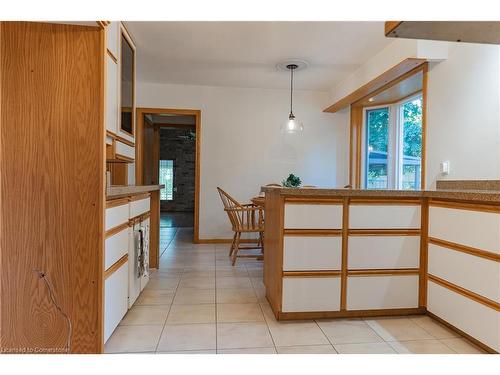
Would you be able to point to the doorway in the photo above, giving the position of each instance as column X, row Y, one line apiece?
column 168, row 149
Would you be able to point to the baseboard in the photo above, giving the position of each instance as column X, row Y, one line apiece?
column 462, row 333
column 349, row 314
column 224, row 240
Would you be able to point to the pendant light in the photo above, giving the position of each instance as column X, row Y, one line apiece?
column 292, row 125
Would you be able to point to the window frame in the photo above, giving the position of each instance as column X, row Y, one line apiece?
column 165, row 188
column 394, row 142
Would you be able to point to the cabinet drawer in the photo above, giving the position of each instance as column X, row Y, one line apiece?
column 111, row 95
column 479, row 275
column 115, row 247
column 311, row 294
column 116, row 216
column 382, row 292
column 312, row 253
column 372, row 252
column 475, row 319
column 139, row 207
column 313, row 216
column 384, row 217
column 125, row 150
column 470, row 228
column 115, row 299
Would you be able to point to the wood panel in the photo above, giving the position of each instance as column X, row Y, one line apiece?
column 154, row 230
column 454, row 31
column 377, row 83
column 52, row 164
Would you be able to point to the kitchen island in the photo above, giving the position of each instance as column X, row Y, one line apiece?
column 356, row 253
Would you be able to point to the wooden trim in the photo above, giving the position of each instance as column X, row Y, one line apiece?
column 123, row 158
column 123, row 140
column 225, row 240
column 359, row 138
column 423, row 258
column 345, row 254
column 116, row 202
column 386, row 201
column 113, row 57
column 423, row 159
column 390, row 26
column 111, row 232
column 476, row 342
column 465, row 249
column 384, row 232
column 465, row 292
column 139, row 218
column 313, row 232
column 311, row 273
column 384, row 272
column 389, row 76
column 348, row 314
column 115, row 267
column 138, row 197
column 351, row 148
column 139, row 152
column 319, row 201
column 435, row 202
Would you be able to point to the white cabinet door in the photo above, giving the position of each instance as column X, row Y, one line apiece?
column 313, row 216
column 111, row 95
column 389, row 216
column 311, row 294
column 382, row 292
column 113, row 37
column 475, row 319
column 115, row 247
column 139, row 207
column 125, row 150
column 470, row 228
column 379, row 252
column 115, row 299
column 479, row 275
column 312, row 253
column 116, row 216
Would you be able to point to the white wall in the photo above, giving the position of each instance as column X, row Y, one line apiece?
column 464, row 113
column 242, row 147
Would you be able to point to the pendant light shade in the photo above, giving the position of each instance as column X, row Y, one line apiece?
column 292, row 125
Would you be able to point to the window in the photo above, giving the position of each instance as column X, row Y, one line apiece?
column 393, row 145
column 167, row 178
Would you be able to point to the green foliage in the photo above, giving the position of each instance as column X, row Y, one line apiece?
column 412, row 128
column 378, row 127
column 292, row 181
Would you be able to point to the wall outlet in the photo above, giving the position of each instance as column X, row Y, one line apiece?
column 445, row 167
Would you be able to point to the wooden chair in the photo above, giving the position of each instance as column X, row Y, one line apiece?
column 244, row 218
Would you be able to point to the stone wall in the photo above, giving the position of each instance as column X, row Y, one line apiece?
column 174, row 146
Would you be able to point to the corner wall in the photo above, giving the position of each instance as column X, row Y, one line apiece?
column 242, row 147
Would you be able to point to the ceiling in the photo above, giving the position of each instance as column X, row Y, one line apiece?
column 245, row 54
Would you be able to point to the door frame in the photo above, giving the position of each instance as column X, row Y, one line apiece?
column 139, row 153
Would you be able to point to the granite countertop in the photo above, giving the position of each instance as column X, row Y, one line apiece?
column 118, row 191
column 458, row 193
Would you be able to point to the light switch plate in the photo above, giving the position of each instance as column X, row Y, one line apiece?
column 445, row 167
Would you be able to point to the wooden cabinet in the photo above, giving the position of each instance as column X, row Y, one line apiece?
column 111, row 94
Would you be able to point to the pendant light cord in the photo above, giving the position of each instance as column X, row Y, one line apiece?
column 291, row 90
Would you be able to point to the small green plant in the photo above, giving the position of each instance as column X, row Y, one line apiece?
column 292, row 181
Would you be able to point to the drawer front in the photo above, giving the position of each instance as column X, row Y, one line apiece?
column 311, row 294
column 382, row 292
column 115, row 299
column 384, row 217
column 378, row 252
column 470, row 272
column 312, row 253
column 116, row 216
column 139, row 207
column 313, row 216
column 112, row 37
column 125, row 150
column 111, row 95
column 115, row 246
column 475, row 319
column 470, row 228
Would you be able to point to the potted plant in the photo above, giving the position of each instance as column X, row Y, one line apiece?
column 292, row 181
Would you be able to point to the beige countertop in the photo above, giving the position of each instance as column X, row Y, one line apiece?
column 118, row 191
column 487, row 196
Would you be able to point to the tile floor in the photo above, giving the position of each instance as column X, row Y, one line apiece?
column 196, row 302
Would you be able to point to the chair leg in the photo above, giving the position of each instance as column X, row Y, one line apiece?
column 261, row 241
column 232, row 244
column 236, row 247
